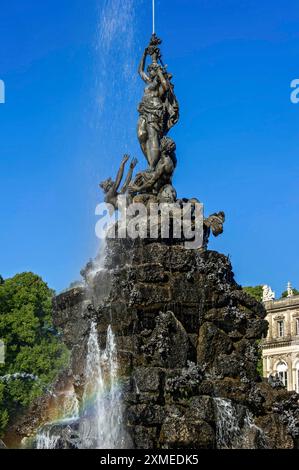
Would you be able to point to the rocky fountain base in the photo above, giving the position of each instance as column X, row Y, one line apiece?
column 186, row 337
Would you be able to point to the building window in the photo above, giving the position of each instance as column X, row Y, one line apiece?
column 297, row 326
column 282, row 372
column 297, row 377
column 280, row 328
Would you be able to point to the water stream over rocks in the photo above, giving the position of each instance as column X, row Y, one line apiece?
column 235, row 428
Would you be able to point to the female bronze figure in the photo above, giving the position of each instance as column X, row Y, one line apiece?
column 159, row 110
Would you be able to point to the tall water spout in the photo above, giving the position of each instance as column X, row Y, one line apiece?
column 101, row 424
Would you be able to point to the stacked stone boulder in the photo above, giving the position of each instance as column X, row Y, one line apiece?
column 187, row 339
column 187, row 334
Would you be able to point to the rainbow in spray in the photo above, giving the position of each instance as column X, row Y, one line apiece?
column 99, row 417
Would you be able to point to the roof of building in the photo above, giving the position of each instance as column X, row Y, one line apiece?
column 287, row 303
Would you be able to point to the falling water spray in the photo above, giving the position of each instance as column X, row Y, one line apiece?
column 101, row 425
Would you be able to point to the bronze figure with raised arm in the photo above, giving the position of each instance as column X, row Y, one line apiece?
column 111, row 188
column 158, row 109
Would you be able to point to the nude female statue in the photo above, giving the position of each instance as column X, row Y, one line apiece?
column 158, row 109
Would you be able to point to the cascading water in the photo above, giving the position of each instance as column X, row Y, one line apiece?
column 228, row 430
column 98, row 263
column 50, row 435
column 235, row 428
column 47, row 440
column 70, row 406
column 117, row 93
column 101, row 424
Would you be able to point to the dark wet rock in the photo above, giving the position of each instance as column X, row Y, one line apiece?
column 212, row 342
column 158, row 348
column 287, row 407
column 186, row 337
column 277, row 436
column 146, row 414
column 201, row 408
column 145, row 438
column 189, row 432
column 180, row 385
column 148, row 379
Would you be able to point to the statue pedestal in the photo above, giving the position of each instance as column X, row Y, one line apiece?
column 187, row 346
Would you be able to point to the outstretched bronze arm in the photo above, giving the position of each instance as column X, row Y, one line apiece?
column 120, row 173
column 129, row 176
column 142, row 67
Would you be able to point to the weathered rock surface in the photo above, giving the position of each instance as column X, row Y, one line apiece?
column 187, row 344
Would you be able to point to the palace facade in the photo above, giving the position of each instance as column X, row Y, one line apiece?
column 281, row 347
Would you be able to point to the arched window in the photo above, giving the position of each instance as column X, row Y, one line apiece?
column 282, row 372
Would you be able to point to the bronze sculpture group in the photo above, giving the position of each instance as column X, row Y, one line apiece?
column 158, row 113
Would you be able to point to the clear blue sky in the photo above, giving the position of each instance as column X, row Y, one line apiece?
column 70, row 113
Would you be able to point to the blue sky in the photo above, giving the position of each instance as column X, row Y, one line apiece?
column 71, row 95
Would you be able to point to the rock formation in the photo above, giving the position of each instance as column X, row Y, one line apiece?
column 187, row 341
column 187, row 338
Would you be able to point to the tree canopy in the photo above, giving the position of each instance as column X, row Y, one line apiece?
column 35, row 353
column 285, row 293
column 256, row 292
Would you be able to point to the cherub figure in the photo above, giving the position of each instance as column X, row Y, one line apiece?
column 111, row 188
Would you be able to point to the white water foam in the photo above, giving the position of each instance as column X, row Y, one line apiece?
column 233, row 431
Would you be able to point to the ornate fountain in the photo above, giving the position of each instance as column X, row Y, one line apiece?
column 180, row 358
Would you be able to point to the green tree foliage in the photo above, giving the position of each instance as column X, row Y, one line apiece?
column 3, row 411
column 34, row 352
column 285, row 294
column 256, row 292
